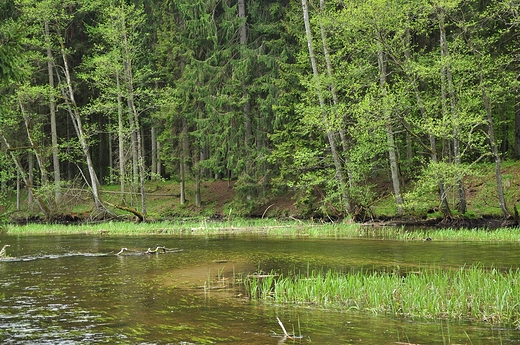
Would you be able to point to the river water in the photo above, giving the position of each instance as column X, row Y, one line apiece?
column 75, row 290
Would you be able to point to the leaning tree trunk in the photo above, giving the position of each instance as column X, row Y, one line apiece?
column 78, row 126
column 330, row 134
column 342, row 134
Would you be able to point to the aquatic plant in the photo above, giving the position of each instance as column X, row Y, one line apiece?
column 468, row 294
column 268, row 227
column 195, row 227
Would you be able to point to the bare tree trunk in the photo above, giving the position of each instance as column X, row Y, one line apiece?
column 494, row 150
column 517, row 120
column 449, row 93
column 30, row 177
column 342, row 134
column 330, row 134
column 158, row 163
column 18, row 192
column 52, row 109
column 133, row 144
column 110, row 158
column 185, row 153
column 78, row 126
column 121, row 138
column 138, row 140
column 153, row 139
column 198, row 173
column 246, row 109
column 444, row 205
column 394, row 169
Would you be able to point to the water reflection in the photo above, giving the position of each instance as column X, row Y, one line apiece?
column 74, row 290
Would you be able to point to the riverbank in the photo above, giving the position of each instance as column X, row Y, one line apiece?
column 220, row 201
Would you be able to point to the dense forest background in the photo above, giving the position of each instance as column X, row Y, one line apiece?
column 322, row 99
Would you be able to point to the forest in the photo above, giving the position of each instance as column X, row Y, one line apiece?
column 320, row 99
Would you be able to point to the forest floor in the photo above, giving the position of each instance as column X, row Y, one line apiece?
column 218, row 202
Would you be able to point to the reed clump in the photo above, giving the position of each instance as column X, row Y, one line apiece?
column 465, row 294
column 195, row 227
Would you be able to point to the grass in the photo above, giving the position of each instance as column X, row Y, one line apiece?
column 268, row 227
column 193, row 226
column 465, row 294
column 445, row 234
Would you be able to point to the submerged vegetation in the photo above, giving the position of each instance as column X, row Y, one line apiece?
column 466, row 294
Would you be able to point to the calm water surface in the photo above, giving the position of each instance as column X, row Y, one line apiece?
column 75, row 290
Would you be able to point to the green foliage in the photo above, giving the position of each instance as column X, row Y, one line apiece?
column 248, row 107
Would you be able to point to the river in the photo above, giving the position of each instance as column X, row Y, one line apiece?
column 75, row 290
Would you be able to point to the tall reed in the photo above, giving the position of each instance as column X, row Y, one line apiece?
column 469, row 293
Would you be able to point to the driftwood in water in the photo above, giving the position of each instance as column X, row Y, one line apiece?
column 150, row 251
column 2, row 252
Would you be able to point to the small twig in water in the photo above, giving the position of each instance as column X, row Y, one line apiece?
column 283, row 328
column 122, row 250
column 2, row 252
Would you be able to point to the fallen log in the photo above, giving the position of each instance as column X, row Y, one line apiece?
column 128, row 209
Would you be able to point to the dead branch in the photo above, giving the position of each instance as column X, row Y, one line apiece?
column 128, row 209
column 283, row 328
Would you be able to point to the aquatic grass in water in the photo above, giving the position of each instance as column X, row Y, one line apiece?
column 447, row 234
column 271, row 227
column 465, row 294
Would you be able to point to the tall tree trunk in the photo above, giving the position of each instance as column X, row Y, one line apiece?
column 30, row 177
column 330, row 134
column 443, row 198
column 517, row 120
column 494, row 150
column 246, row 109
column 133, row 144
column 328, row 62
column 394, row 169
column 52, row 110
column 121, row 138
column 198, row 174
column 184, row 155
column 78, row 126
column 153, row 139
column 138, row 139
column 448, row 93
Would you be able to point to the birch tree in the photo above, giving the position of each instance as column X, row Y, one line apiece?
column 319, row 93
